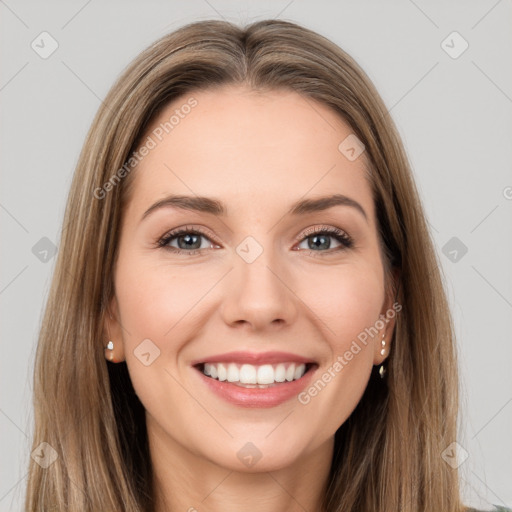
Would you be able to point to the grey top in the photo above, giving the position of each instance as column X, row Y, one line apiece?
column 497, row 508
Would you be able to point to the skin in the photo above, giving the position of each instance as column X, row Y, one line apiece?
column 258, row 153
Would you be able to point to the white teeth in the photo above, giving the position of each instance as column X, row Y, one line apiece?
column 222, row 373
column 280, row 373
column 248, row 374
column 233, row 373
column 265, row 374
column 251, row 374
column 299, row 371
column 210, row 369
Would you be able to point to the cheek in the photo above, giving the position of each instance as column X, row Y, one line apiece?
column 348, row 304
column 166, row 305
column 153, row 299
column 347, row 300
column 153, row 305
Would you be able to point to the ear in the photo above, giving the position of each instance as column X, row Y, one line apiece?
column 386, row 323
column 112, row 331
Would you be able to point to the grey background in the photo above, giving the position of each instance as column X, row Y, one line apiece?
column 453, row 115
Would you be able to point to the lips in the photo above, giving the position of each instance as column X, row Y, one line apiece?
column 254, row 358
column 248, row 368
column 253, row 379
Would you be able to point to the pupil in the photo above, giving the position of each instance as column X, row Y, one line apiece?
column 326, row 243
column 189, row 241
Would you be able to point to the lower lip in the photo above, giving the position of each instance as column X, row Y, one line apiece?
column 257, row 397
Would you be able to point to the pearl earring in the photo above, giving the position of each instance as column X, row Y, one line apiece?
column 382, row 370
column 110, row 347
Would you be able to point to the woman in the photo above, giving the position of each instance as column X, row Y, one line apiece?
column 244, row 245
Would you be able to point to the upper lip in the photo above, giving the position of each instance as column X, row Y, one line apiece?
column 255, row 358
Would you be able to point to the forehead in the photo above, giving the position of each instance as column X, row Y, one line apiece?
column 248, row 147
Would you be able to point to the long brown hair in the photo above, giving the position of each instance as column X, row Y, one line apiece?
column 387, row 455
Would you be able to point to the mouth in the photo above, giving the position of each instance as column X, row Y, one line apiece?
column 256, row 376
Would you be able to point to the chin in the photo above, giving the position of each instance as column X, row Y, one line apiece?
column 253, row 454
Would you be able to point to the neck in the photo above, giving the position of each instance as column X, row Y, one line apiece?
column 188, row 482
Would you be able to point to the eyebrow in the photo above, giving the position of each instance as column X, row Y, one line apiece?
column 216, row 207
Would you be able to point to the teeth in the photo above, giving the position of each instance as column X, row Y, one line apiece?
column 222, row 372
column 280, row 373
column 233, row 373
column 265, row 374
column 250, row 374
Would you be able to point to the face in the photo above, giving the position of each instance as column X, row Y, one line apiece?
column 277, row 283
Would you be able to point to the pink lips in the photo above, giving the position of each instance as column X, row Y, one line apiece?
column 271, row 396
column 253, row 358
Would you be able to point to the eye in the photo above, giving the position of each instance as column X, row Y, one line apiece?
column 318, row 239
column 187, row 241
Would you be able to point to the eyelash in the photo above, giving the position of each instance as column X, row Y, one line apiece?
column 338, row 234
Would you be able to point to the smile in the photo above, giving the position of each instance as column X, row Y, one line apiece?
column 249, row 375
column 255, row 386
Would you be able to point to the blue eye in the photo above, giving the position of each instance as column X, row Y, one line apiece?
column 319, row 238
column 189, row 241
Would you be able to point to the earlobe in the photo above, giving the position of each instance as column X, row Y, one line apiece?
column 387, row 322
column 110, row 354
column 383, row 345
column 113, row 346
column 386, row 325
column 383, row 353
column 109, row 351
column 382, row 349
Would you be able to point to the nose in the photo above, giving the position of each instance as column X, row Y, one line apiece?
column 259, row 294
